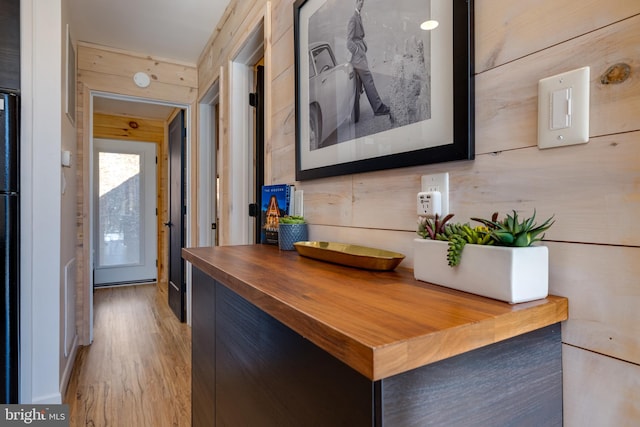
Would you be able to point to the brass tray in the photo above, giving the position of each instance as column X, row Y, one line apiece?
column 350, row 255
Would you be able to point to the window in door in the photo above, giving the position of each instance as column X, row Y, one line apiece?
column 125, row 198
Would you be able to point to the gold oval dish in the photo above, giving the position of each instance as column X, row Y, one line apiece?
column 350, row 255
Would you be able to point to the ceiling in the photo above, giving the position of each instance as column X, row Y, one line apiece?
column 120, row 107
column 168, row 29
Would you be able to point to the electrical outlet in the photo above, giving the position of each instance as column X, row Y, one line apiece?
column 429, row 204
column 438, row 182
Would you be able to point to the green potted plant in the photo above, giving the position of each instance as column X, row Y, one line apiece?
column 291, row 229
column 497, row 258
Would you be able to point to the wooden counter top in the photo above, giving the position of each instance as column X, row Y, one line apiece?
column 378, row 323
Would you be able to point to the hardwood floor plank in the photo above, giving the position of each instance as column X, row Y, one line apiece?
column 137, row 372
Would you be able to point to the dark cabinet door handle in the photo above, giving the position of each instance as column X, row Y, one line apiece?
column 168, row 224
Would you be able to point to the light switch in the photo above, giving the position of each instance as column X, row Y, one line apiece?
column 563, row 109
column 66, row 158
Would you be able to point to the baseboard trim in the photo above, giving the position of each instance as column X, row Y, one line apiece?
column 68, row 369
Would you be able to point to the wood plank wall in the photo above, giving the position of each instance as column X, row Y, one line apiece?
column 593, row 190
column 111, row 71
column 145, row 130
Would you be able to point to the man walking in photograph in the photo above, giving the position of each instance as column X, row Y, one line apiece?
column 358, row 48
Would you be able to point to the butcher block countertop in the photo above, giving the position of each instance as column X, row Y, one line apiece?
column 379, row 323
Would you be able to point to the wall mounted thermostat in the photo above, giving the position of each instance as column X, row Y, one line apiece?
column 563, row 109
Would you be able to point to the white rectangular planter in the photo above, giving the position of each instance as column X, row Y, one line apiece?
column 508, row 274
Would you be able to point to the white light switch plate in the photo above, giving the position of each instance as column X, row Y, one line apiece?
column 563, row 109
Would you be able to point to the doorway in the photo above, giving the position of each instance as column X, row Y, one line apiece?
column 120, row 110
column 125, row 241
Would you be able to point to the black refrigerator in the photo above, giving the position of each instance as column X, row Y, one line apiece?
column 9, row 247
column 9, row 198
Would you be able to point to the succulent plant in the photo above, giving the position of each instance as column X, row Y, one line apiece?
column 508, row 232
column 459, row 235
column 429, row 228
column 291, row 219
column 512, row 232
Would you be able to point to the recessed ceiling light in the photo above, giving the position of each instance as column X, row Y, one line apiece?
column 141, row 79
column 429, row 25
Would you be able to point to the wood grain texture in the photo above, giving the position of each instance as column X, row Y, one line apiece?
column 507, row 109
column 239, row 19
column 253, row 370
column 107, row 70
column 604, row 295
column 203, row 351
column 122, row 63
column 83, row 309
column 517, row 43
column 599, row 391
column 268, row 375
column 501, row 182
column 508, row 30
column 124, row 85
column 118, row 127
column 379, row 323
column 138, row 370
column 517, row 382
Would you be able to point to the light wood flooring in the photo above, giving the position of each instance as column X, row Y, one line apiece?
column 137, row 372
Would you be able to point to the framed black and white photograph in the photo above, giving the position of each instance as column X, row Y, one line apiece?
column 382, row 85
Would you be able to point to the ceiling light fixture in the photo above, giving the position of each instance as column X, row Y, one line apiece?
column 141, row 79
column 429, row 25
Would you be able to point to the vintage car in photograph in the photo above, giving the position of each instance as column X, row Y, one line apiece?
column 333, row 97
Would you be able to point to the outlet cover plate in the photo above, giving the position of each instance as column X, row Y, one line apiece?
column 438, row 182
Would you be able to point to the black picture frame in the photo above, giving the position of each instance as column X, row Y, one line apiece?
column 365, row 152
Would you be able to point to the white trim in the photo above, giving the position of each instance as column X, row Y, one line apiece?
column 68, row 369
column 41, row 131
column 208, row 165
column 26, row 205
column 241, row 153
column 238, row 154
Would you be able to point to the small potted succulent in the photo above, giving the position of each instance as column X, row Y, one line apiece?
column 291, row 229
column 497, row 258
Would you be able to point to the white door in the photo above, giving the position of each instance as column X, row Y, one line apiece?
column 125, row 208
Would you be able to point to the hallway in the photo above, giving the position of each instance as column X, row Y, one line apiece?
column 137, row 372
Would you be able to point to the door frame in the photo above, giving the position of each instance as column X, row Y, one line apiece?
column 241, row 135
column 208, row 163
column 149, row 169
column 188, row 112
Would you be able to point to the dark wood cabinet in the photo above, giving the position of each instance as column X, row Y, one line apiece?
column 10, row 44
column 249, row 369
column 279, row 340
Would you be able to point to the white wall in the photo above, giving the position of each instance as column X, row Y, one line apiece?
column 40, row 200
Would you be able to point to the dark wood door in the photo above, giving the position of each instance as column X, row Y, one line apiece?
column 256, row 100
column 177, row 211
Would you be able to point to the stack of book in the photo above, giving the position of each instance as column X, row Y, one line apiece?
column 277, row 200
